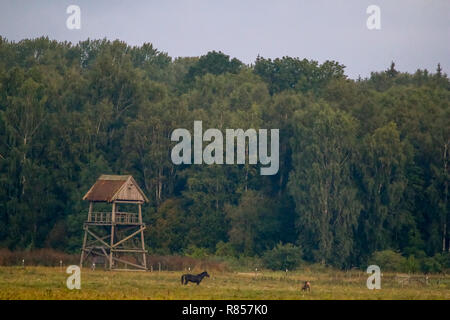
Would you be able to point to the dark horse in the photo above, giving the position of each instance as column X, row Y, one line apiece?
column 185, row 278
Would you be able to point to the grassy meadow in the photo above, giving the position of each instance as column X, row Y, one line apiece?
column 50, row 283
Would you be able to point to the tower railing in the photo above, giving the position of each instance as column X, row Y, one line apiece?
column 120, row 218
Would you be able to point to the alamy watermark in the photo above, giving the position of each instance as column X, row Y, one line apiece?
column 213, row 153
column 74, row 20
column 374, row 280
column 74, row 280
column 374, row 20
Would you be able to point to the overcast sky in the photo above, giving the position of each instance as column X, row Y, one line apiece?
column 414, row 33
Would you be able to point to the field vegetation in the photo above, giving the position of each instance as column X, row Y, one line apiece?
column 50, row 283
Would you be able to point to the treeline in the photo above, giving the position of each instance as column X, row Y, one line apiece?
column 363, row 163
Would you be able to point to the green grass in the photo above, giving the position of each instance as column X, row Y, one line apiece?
column 50, row 283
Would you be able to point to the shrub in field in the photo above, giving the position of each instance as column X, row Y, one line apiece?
column 444, row 260
column 196, row 252
column 389, row 260
column 412, row 265
column 432, row 264
column 225, row 249
column 283, row 257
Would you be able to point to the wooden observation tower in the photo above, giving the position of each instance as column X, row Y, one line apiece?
column 115, row 237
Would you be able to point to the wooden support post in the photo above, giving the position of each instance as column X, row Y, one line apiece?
column 144, row 258
column 90, row 211
column 85, row 235
column 113, row 221
column 84, row 246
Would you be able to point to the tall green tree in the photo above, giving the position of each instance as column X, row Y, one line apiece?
column 321, row 183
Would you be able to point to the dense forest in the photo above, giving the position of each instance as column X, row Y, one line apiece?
column 364, row 164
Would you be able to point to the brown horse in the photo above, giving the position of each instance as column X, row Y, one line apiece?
column 306, row 286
